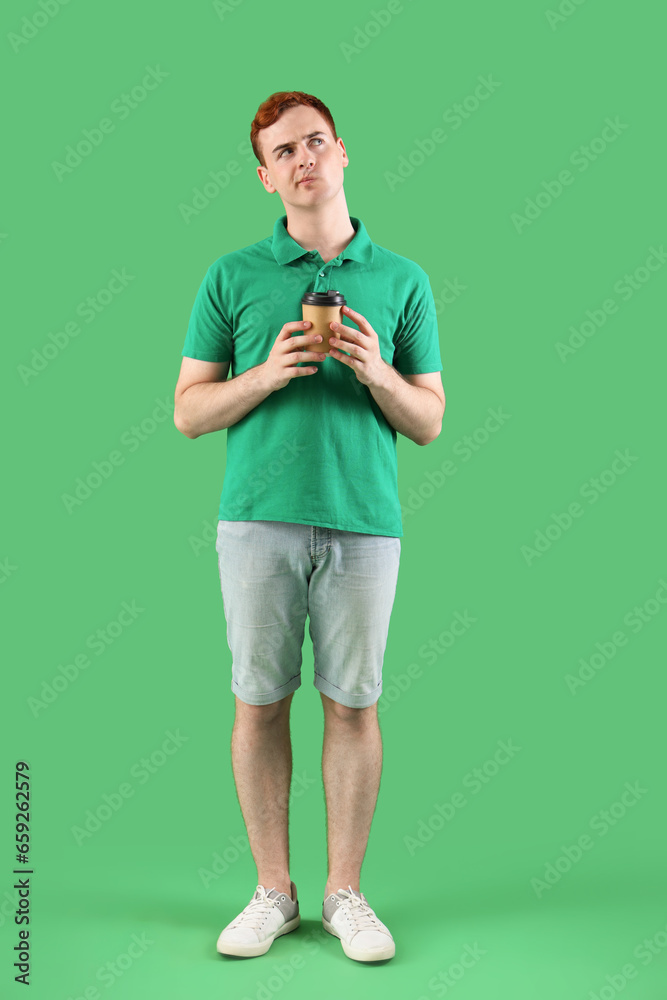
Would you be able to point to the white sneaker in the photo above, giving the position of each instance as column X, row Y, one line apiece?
column 347, row 915
column 266, row 917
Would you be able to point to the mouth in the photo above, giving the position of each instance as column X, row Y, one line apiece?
column 307, row 180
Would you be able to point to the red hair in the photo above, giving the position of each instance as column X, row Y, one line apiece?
column 272, row 108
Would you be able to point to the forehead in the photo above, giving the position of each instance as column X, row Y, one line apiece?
column 292, row 124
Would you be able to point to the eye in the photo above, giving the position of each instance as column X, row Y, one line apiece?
column 289, row 147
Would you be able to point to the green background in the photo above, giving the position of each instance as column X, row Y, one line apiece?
column 145, row 534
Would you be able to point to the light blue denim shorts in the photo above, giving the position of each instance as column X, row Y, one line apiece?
column 273, row 574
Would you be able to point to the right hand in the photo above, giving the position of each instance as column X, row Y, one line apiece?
column 280, row 366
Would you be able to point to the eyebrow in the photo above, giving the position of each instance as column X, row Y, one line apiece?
column 283, row 145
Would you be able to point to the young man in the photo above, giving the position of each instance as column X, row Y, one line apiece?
column 309, row 518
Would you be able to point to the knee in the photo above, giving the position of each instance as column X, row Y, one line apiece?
column 335, row 712
column 262, row 714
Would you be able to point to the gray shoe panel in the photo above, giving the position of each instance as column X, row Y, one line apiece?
column 288, row 907
column 329, row 906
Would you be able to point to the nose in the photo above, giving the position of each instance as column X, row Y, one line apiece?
column 307, row 156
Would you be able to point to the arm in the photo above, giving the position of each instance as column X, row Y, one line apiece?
column 413, row 404
column 205, row 401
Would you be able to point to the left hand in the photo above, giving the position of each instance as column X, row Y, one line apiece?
column 364, row 347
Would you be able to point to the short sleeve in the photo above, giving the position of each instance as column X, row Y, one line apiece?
column 416, row 343
column 209, row 334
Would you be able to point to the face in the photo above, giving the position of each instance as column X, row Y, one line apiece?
column 302, row 154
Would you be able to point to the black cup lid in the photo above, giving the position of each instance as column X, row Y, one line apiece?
column 330, row 298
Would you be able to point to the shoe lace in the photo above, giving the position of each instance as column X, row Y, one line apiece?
column 359, row 911
column 257, row 910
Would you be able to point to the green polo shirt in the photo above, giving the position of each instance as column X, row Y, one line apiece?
column 318, row 451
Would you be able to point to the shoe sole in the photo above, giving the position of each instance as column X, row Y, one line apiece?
column 261, row 948
column 377, row 955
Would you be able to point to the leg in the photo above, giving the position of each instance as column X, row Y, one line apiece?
column 264, row 587
column 351, row 768
column 262, row 764
column 350, row 597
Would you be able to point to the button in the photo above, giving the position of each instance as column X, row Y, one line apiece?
column 321, row 274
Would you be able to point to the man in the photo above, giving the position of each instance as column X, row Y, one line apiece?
column 309, row 518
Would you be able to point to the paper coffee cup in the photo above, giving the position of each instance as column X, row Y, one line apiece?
column 322, row 308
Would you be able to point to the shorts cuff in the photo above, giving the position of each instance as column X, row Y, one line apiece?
column 342, row 697
column 271, row 696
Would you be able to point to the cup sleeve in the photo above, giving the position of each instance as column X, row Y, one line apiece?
column 209, row 334
column 416, row 341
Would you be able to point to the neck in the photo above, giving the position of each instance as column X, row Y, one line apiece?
column 325, row 228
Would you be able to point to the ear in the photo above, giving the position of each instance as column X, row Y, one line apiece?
column 263, row 175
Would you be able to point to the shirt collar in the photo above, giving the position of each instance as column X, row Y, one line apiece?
column 285, row 249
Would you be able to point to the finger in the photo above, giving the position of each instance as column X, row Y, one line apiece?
column 305, row 356
column 361, row 321
column 354, row 315
column 341, row 329
column 354, row 349
column 311, row 338
column 339, row 356
column 291, row 328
